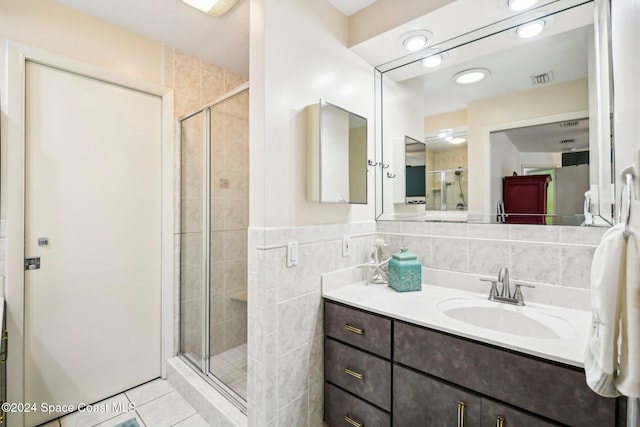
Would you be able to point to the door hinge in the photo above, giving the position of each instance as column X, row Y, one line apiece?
column 32, row 263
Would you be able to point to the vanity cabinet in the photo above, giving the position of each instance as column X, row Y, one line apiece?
column 357, row 367
column 416, row 376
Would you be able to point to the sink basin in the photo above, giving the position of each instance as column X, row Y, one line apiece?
column 522, row 321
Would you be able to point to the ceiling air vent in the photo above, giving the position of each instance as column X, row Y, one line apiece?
column 567, row 141
column 542, row 79
column 569, row 124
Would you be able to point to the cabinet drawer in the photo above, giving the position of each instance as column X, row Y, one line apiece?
column 419, row 400
column 493, row 411
column 365, row 330
column 555, row 392
column 362, row 374
column 338, row 405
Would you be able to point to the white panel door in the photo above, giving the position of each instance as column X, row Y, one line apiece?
column 93, row 188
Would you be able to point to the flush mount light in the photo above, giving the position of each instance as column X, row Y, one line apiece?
column 416, row 40
column 518, row 5
column 457, row 140
column 445, row 133
column 530, row 29
column 470, row 76
column 212, row 7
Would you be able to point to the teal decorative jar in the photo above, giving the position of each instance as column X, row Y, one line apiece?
column 405, row 272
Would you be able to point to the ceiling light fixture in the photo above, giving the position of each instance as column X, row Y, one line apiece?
column 530, row 29
column 434, row 59
column 457, row 140
column 212, row 7
column 470, row 76
column 416, row 40
column 518, row 5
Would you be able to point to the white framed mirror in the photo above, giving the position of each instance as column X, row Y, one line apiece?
column 541, row 103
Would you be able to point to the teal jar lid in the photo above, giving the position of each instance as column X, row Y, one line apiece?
column 403, row 255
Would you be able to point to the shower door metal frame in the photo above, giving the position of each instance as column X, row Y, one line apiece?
column 202, row 367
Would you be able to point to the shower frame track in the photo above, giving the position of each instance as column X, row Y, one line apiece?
column 202, row 367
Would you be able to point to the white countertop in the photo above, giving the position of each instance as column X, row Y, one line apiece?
column 421, row 308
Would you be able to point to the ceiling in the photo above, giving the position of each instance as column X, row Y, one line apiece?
column 221, row 40
column 349, row 7
column 570, row 135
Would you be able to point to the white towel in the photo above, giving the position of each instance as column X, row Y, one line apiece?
column 612, row 358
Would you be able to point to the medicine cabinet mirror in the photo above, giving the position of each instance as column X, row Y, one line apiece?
column 337, row 155
column 542, row 106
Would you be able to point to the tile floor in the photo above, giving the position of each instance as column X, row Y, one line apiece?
column 157, row 404
column 230, row 367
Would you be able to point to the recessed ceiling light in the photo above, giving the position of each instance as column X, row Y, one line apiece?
column 434, row 60
column 445, row 133
column 470, row 76
column 212, row 7
column 530, row 29
column 518, row 5
column 416, row 40
column 415, row 43
column 457, row 140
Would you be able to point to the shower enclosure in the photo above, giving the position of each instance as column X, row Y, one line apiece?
column 213, row 249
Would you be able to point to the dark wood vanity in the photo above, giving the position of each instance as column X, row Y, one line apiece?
column 381, row 371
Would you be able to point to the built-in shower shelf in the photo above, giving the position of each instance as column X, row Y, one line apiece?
column 242, row 296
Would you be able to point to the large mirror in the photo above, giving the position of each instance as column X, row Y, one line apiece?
column 337, row 155
column 527, row 96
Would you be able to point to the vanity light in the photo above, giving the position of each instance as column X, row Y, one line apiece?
column 415, row 40
column 470, row 76
column 530, row 29
column 212, row 7
column 518, row 5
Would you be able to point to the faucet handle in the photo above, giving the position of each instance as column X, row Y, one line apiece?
column 494, row 286
column 518, row 294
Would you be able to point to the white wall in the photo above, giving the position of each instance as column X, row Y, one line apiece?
column 505, row 159
column 299, row 55
column 50, row 26
column 626, row 45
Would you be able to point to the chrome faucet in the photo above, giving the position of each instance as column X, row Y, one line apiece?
column 504, row 295
column 503, row 279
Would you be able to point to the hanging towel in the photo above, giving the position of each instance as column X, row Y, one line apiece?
column 612, row 357
column 628, row 381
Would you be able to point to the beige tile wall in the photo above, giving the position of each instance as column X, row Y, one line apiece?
column 196, row 83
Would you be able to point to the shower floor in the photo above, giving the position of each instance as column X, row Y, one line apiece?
column 230, row 367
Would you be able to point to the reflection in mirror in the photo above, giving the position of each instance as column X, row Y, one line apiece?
column 337, row 155
column 540, row 106
column 559, row 151
column 447, row 171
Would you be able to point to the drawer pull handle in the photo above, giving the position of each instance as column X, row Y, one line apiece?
column 500, row 421
column 354, row 374
column 461, row 406
column 354, row 329
column 353, row 422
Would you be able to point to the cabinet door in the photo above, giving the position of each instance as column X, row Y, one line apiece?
column 419, row 400
column 495, row 414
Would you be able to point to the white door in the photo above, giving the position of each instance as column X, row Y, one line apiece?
column 93, row 189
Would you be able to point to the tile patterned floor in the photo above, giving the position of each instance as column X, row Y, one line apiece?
column 156, row 403
column 230, row 367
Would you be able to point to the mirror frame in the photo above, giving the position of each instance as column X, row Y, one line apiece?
column 603, row 111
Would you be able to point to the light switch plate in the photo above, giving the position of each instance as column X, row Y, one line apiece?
column 292, row 254
column 346, row 246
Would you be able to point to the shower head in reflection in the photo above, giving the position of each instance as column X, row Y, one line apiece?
column 458, row 172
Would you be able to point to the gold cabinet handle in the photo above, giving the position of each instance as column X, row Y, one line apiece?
column 461, row 406
column 354, row 373
column 500, row 421
column 5, row 340
column 353, row 329
column 353, row 422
